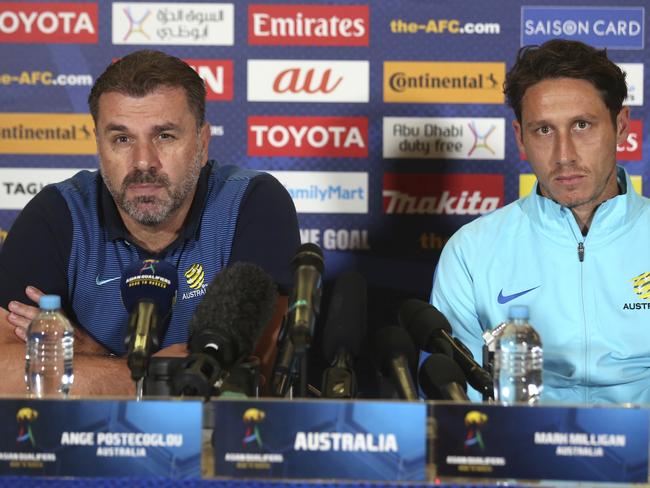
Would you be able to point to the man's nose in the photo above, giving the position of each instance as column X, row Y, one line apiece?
column 145, row 156
column 565, row 148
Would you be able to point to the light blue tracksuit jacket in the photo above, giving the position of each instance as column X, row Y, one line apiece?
column 589, row 296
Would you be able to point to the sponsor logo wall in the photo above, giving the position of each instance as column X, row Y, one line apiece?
column 385, row 121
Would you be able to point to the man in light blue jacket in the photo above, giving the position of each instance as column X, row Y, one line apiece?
column 577, row 249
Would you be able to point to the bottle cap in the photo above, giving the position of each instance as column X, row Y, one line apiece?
column 518, row 312
column 49, row 302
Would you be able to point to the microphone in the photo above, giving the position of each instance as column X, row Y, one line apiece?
column 396, row 357
column 283, row 368
column 442, row 379
column 304, row 302
column 429, row 328
column 226, row 324
column 298, row 323
column 343, row 335
column 148, row 290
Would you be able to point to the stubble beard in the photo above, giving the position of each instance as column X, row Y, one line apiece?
column 151, row 210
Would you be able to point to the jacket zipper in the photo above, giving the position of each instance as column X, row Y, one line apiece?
column 581, row 251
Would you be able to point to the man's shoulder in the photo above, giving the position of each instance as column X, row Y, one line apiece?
column 495, row 221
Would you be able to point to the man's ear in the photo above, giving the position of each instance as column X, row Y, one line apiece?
column 519, row 137
column 204, row 136
column 622, row 125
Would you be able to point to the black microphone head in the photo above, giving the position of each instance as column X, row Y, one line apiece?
column 152, row 280
column 346, row 316
column 423, row 320
column 391, row 342
column 436, row 373
column 236, row 307
column 308, row 254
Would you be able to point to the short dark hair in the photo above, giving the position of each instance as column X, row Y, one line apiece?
column 560, row 58
column 141, row 72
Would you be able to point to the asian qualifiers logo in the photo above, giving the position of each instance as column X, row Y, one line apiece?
column 252, row 418
column 25, row 417
column 474, row 420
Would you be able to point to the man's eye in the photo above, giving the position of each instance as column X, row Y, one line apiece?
column 544, row 130
column 166, row 136
column 582, row 124
column 121, row 139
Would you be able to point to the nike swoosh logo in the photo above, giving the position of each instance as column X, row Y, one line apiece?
column 506, row 298
column 103, row 282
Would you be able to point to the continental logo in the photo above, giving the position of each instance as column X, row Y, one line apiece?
column 195, row 276
column 40, row 133
column 444, row 26
column 443, row 82
column 527, row 182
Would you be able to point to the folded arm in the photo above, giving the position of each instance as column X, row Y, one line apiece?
column 96, row 371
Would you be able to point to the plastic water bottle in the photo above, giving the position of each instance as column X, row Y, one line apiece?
column 518, row 361
column 50, row 342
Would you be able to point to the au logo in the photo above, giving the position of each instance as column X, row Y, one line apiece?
column 25, row 417
column 474, row 421
column 641, row 285
column 195, row 276
column 252, row 417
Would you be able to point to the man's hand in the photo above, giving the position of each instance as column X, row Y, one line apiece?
column 21, row 314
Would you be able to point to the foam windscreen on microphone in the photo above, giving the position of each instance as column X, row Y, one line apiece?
column 149, row 280
column 391, row 342
column 346, row 316
column 421, row 320
column 237, row 305
column 438, row 371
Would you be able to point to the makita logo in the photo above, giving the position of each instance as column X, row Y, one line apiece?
column 439, row 194
column 307, row 81
column 631, row 149
column 308, row 25
column 217, row 75
column 48, row 22
column 308, row 136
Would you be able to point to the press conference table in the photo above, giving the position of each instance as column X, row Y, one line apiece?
column 33, row 482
